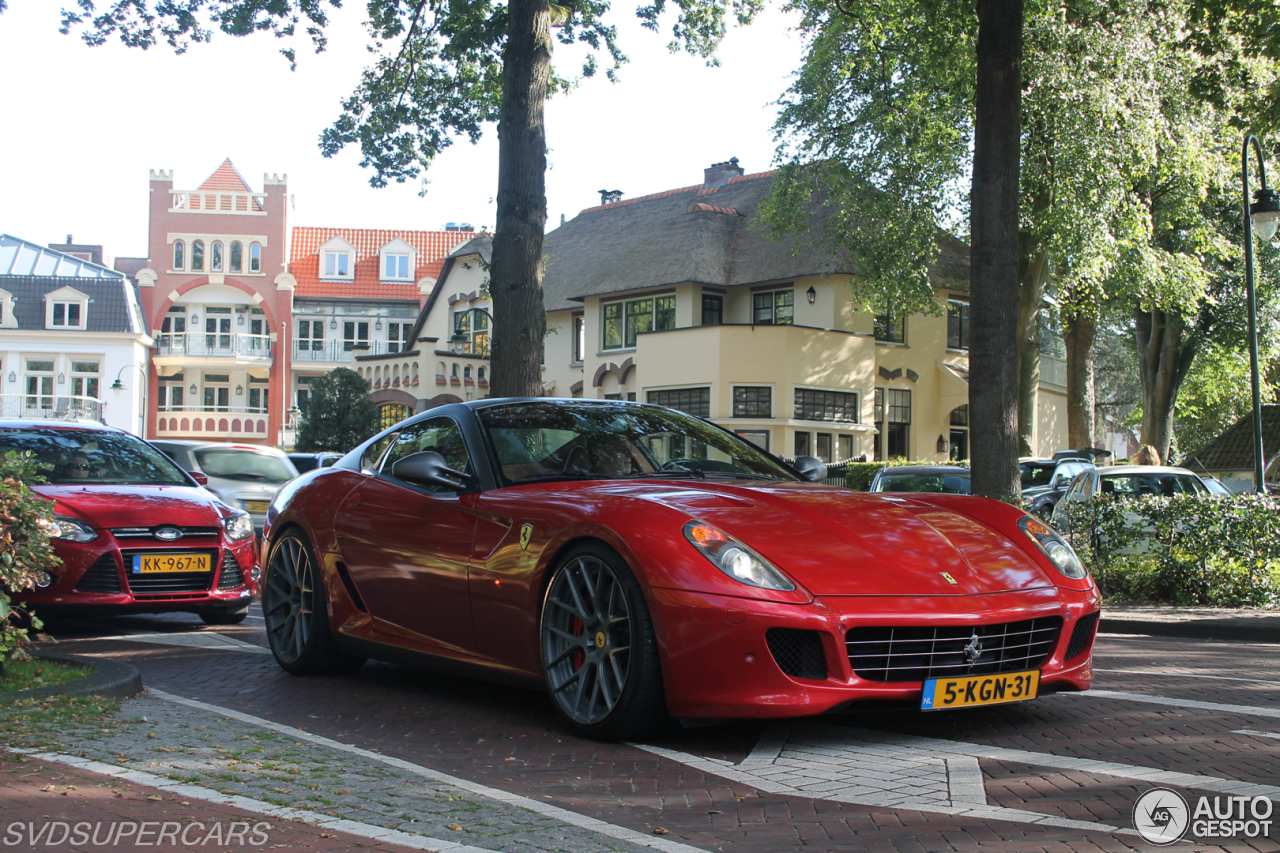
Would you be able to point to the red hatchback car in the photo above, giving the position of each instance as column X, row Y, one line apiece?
column 135, row 533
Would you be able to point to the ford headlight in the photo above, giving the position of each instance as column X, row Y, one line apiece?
column 1062, row 555
column 69, row 529
column 735, row 559
column 238, row 525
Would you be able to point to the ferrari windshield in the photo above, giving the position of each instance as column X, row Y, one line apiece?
column 94, row 457
column 571, row 441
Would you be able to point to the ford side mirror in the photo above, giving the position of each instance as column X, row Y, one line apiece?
column 813, row 470
column 198, row 477
column 428, row 468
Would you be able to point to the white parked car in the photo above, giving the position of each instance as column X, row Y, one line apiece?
column 1128, row 481
column 245, row 476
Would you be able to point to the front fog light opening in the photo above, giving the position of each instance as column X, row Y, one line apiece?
column 44, row 580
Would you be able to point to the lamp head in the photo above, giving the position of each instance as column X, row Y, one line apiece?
column 1265, row 213
column 458, row 343
column 118, row 386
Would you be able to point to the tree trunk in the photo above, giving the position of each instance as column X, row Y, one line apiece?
column 1033, row 275
column 1078, row 333
column 515, row 276
column 993, row 269
column 1165, row 353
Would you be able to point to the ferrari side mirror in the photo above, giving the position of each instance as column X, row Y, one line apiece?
column 813, row 470
column 428, row 468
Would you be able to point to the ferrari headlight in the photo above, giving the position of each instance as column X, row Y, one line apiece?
column 735, row 559
column 69, row 529
column 238, row 525
column 1058, row 551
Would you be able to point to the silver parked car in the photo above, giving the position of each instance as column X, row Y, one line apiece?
column 246, row 476
column 1129, row 481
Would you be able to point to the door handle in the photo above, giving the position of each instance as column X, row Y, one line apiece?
column 353, row 501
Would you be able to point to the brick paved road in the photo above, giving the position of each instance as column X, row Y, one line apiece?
column 1058, row 774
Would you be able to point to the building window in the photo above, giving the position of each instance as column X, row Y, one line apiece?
column 824, row 446
column 215, row 257
column 624, row 320
column 758, row 437
column 691, row 401
column 217, row 392
column 237, row 257
column 337, row 264
column 893, row 421
column 802, row 444
column 773, row 308
column 712, row 309
column 84, row 379
column 170, row 393
column 391, row 414
column 613, row 396
column 39, row 383
column 960, row 433
column 179, row 254
column 395, row 266
column 957, row 324
column 255, row 257
column 398, row 337
column 891, row 328
column 66, row 315
column 826, row 406
column 197, row 256
column 579, row 337
column 355, row 334
column 474, row 326
column 751, row 401
column 303, row 395
column 845, row 443
column 310, row 335
column 217, row 327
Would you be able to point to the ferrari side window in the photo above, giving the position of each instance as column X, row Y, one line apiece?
column 440, row 435
column 374, row 452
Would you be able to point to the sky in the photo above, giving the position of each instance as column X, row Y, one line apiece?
column 84, row 126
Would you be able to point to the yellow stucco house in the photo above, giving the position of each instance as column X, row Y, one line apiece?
column 679, row 298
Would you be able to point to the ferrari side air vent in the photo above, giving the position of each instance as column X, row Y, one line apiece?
column 350, row 586
column 1082, row 636
column 798, row 653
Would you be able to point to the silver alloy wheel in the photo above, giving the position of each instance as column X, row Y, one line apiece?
column 288, row 599
column 586, row 639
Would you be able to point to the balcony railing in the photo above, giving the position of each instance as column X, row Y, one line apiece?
column 340, row 352
column 218, row 202
column 209, row 421
column 223, row 345
column 51, row 407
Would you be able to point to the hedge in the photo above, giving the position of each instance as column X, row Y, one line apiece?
column 1183, row 550
column 24, row 546
column 858, row 475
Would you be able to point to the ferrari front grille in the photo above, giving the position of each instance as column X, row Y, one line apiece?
column 1082, row 636
column 101, row 576
column 798, row 652
column 916, row 653
column 230, row 576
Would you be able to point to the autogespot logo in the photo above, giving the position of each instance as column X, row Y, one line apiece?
column 1161, row 816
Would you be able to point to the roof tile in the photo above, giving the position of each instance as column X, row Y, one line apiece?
column 431, row 246
column 226, row 178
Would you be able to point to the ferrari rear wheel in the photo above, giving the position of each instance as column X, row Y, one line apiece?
column 293, row 607
column 599, row 652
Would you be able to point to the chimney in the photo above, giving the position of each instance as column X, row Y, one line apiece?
column 69, row 240
column 610, row 196
column 718, row 174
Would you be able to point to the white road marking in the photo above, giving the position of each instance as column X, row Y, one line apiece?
column 1256, row 734
column 1186, row 675
column 252, row 806
column 194, row 640
column 1246, row 710
column 564, row 815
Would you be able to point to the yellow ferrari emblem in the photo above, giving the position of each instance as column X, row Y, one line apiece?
column 526, row 533
column 600, row 639
column 949, row 579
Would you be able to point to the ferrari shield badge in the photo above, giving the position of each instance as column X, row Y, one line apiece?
column 947, row 576
column 526, row 533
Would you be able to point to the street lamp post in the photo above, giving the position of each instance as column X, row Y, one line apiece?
column 119, row 388
column 1264, row 213
column 459, row 342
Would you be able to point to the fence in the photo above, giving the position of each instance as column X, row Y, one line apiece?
column 51, row 407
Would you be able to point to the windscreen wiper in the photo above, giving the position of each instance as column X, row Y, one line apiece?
column 564, row 475
column 673, row 473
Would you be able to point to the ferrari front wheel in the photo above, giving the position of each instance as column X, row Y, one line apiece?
column 599, row 653
column 293, row 607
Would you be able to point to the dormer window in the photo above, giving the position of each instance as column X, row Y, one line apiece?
column 337, row 264
column 397, row 260
column 66, row 308
column 395, row 266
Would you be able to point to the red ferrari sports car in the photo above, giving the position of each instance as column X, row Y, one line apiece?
column 135, row 532
column 641, row 563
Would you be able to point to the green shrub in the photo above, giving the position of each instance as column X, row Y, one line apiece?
column 1184, row 550
column 858, row 475
column 24, row 546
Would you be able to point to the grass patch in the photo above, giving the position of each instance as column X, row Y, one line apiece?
column 24, row 675
column 44, row 723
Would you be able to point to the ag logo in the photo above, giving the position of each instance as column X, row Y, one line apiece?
column 1161, row 816
column 526, row 533
column 947, row 577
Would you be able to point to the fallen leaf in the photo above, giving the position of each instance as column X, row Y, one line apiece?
column 657, row 830
column 164, row 749
column 341, row 792
column 455, row 827
column 155, row 798
column 185, row 803
column 51, row 788
column 714, row 811
column 327, row 835
column 151, row 734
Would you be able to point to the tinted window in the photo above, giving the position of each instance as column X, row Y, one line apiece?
column 1036, row 474
column 440, row 435
column 372, row 453
column 946, row 483
column 1141, row 485
column 237, row 464
column 91, row 457
column 545, row 440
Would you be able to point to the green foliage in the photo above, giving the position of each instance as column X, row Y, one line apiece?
column 858, row 475
column 339, row 415
column 24, row 547
column 1185, row 550
column 1214, row 396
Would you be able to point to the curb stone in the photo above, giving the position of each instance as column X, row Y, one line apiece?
column 111, row 678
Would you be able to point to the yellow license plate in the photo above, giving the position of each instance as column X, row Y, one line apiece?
column 257, row 507
column 942, row 693
column 151, row 564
